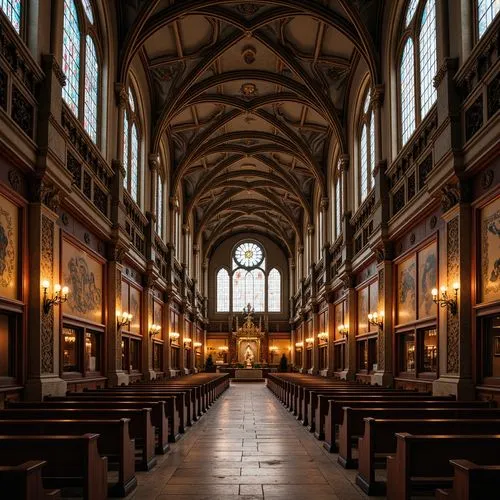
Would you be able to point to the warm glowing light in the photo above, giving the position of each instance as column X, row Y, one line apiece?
column 65, row 290
column 174, row 335
column 434, row 292
column 187, row 340
column 197, row 344
column 370, row 316
column 57, row 288
column 310, row 340
column 45, row 284
column 154, row 329
column 273, row 348
column 456, row 286
column 323, row 335
column 443, row 289
column 299, row 344
column 381, row 314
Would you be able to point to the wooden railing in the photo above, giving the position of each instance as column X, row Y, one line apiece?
column 362, row 223
column 135, row 224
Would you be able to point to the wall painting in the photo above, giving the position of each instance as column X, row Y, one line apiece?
column 427, row 280
column 363, row 305
column 9, row 250
column 407, row 291
column 490, row 251
column 83, row 274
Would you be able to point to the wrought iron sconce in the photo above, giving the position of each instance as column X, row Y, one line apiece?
column 344, row 330
column 445, row 300
column 154, row 330
column 123, row 319
column 376, row 319
column 310, row 340
column 59, row 297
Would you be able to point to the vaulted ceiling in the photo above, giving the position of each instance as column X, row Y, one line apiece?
column 250, row 97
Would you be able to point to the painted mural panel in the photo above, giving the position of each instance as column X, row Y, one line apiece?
column 9, row 249
column 490, row 252
column 374, row 297
column 157, row 314
column 339, row 318
column 363, row 305
column 407, row 279
column 135, row 310
column 427, row 280
column 83, row 274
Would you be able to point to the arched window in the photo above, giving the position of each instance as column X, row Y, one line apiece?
column 274, row 291
column 222, row 291
column 418, row 57
column 12, row 9
column 81, row 92
column 160, row 207
column 338, row 202
column 366, row 150
column 131, row 149
column 486, row 12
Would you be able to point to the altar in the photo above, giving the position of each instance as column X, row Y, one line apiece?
column 248, row 374
column 249, row 338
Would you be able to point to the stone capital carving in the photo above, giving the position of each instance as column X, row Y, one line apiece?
column 117, row 166
column 121, row 95
column 343, row 162
column 324, row 204
column 44, row 192
column 116, row 253
column 300, row 249
column 196, row 249
column 377, row 95
column 449, row 64
column 310, row 228
column 451, row 194
column 154, row 161
column 50, row 62
column 174, row 202
column 185, row 228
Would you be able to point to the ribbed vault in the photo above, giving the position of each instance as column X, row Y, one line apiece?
column 250, row 98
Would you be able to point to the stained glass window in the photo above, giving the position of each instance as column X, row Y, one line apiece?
column 338, row 205
column 366, row 105
column 125, row 148
column 372, row 150
column 486, row 12
column 274, row 291
column 364, row 164
column 12, row 9
column 428, row 58
column 407, row 87
column 248, row 255
column 131, row 100
column 71, row 56
column 239, row 290
column 134, row 163
column 88, row 10
column 91, row 89
column 412, row 7
column 222, row 291
column 159, row 207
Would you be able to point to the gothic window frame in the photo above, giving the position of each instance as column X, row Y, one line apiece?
column 338, row 210
column 411, row 29
column 160, row 206
column 87, row 29
column 8, row 13
column 365, row 122
column 229, row 290
column 131, row 120
column 477, row 18
column 279, row 291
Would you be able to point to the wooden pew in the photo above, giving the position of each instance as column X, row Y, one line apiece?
column 336, row 414
column 180, row 402
column 422, row 463
column 140, row 427
column 471, row 481
column 114, row 442
column 379, row 441
column 321, row 407
column 72, row 461
column 163, row 414
column 352, row 426
column 24, row 482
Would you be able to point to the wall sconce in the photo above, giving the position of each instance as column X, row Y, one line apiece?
column 323, row 336
column 273, row 348
column 344, row 330
column 123, row 319
column 310, row 340
column 446, row 301
column 187, row 341
column 223, row 348
column 173, row 336
column 197, row 344
column 299, row 345
column 60, row 296
column 376, row 319
column 154, row 330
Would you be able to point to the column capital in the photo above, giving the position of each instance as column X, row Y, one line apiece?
column 154, row 161
column 174, row 202
column 185, row 228
column 324, row 203
column 310, row 228
column 343, row 163
column 121, row 95
column 377, row 93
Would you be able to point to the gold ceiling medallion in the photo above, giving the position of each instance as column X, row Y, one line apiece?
column 248, row 54
column 249, row 90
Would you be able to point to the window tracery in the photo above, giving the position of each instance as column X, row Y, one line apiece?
column 13, row 10
column 418, row 57
column 131, row 149
column 366, row 150
column 486, row 12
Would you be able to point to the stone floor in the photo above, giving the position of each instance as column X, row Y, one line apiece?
column 248, row 446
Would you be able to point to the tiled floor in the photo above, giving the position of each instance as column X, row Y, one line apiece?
column 247, row 447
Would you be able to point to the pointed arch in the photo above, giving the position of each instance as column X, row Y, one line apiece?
column 223, row 290
column 71, row 56
column 91, row 89
column 428, row 57
column 274, row 291
column 407, row 92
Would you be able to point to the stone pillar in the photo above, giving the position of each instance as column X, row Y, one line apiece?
column 349, row 372
column 44, row 327
column 146, row 321
column 185, row 234
column 315, row 350
column 331, row 336
column 384, row 374
column 455, row 356
column 154, row 163
column 167, row 329
column 182, row 364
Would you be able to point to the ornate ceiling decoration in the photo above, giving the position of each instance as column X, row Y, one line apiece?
column 250, row 97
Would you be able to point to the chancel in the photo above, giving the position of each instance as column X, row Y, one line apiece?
column 245, row 245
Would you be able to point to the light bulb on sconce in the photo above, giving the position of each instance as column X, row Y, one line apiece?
column 310, row 340
column 123, row 319
column 343, row 330
column 187, row 341
column 323, row 336
column 377, row 319
column 445, row 300
column 299, row 345
column 154, row 330
column 197, row 344
column 273, row 348
column 59, row 296
column 173, row 336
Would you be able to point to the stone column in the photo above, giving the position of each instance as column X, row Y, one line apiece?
column 331, row 336
column 146, row 321
column 185, row 233
column 167, row 329
column 455, row 356
column 44, row 327
column 384, row 374
column 154, row 163
column 349, row 372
